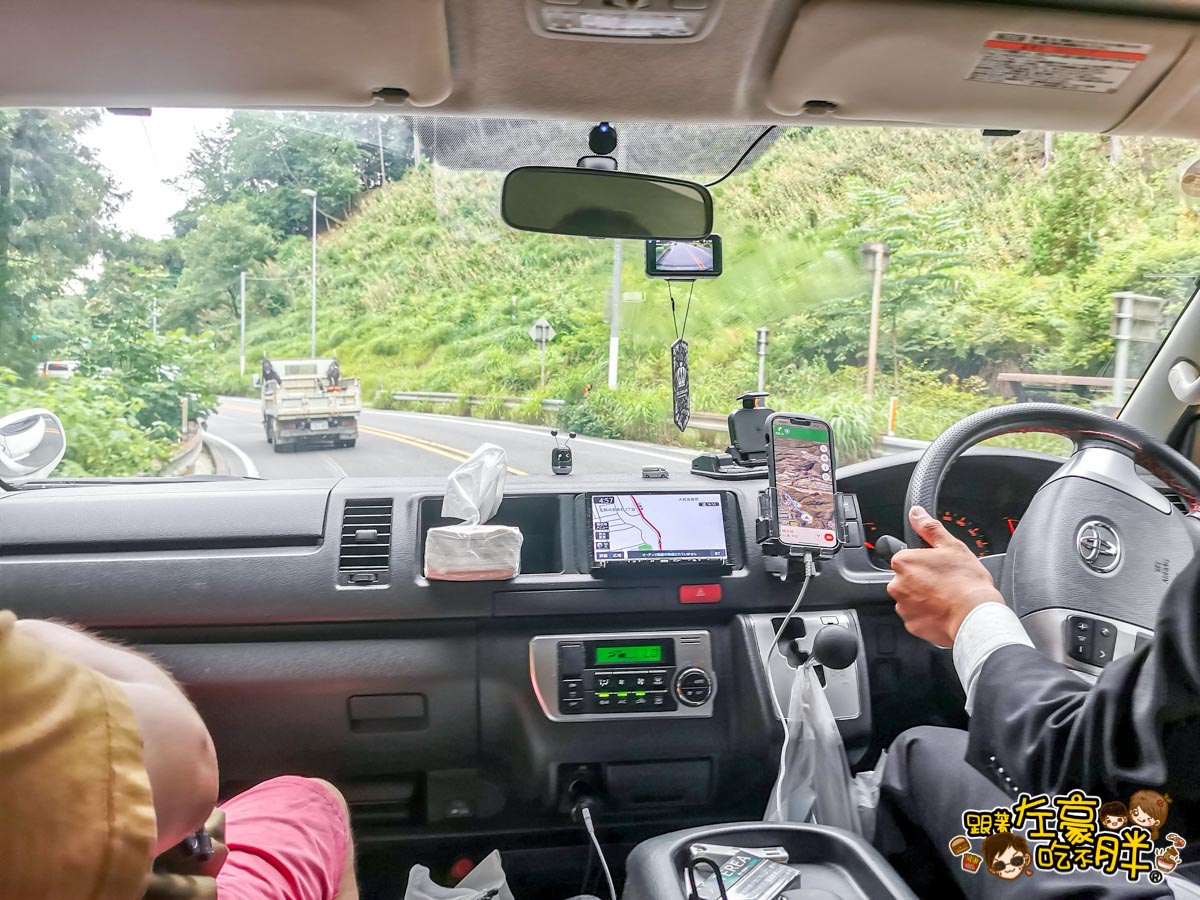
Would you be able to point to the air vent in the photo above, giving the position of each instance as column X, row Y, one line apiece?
column 366, row 542
column 1176, row 501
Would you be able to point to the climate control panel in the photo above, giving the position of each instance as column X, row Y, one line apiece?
column 583, row 677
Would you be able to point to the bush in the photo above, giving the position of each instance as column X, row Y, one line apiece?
column 100, row 423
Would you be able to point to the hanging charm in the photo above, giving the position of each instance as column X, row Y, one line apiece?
column 680, row 384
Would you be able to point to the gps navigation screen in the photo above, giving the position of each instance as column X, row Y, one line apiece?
column 634, row 527
column 803, row 485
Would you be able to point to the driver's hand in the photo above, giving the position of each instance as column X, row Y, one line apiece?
column 936, row 587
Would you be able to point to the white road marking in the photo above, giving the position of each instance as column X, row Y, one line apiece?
column 685, row 456
column 243, row 458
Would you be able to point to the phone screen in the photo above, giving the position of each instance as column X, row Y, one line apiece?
column 804, row 491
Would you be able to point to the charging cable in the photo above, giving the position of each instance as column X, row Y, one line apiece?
column 586, row 814
column 777, row 793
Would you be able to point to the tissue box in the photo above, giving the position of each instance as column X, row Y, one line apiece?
column 473, row 553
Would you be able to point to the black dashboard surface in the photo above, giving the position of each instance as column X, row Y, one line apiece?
column 266, row 553
column 415, row 697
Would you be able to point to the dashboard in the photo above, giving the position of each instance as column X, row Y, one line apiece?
column 628, row 660
column 979, row 525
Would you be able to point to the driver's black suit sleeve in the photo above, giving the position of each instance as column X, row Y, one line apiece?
column 1037, row 727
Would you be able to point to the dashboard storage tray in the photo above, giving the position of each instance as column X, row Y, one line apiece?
column 827, row 859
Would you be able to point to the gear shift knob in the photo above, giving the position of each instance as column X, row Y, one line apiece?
column 835, row 647
column 887, row 547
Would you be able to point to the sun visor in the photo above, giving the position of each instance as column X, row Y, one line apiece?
column 196, row 53
column 987, row 66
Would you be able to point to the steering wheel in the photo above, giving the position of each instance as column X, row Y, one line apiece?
column 1097, row 540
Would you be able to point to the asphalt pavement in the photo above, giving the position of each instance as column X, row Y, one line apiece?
column 682, row 255
column 403, row 443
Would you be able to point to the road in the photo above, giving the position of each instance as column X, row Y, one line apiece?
column 683, row 256
column 402, row 443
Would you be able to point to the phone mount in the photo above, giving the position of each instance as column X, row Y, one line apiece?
column 561, row 458
column 787, row 563
column 746, row 455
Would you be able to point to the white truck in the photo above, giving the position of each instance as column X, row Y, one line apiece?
column 306, row 401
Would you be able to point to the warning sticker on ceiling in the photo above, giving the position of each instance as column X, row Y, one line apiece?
column 1068, row 64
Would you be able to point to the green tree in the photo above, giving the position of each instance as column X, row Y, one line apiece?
column 264, row 160
column 54, row 200
column 226, row 241
column 1072, row 208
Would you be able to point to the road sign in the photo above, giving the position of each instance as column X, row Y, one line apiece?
column 542, row 332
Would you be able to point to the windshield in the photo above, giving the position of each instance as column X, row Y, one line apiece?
column 296, row 294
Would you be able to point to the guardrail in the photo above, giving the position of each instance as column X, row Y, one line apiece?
column 184, row 461
column 890, row 445
column 701, row 421
column 438, row 397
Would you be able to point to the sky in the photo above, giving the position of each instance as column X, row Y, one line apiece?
column 142, row 154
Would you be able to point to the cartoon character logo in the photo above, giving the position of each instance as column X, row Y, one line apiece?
column 1149, row 810
column 1114, row 816
column 1006, row 855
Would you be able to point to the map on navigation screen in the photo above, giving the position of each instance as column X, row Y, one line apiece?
column 803, row 475
column 631, row 527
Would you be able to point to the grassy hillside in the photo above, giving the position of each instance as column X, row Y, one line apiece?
column 998, row 262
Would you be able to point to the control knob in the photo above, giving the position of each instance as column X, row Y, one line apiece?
column 693, row 687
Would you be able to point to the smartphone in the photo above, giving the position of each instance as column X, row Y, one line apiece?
column 800, row 456
column 683, row 260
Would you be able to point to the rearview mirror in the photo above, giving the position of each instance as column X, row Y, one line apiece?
column 32, row 443
column 595, row 203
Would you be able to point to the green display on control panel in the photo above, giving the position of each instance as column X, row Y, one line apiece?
column 643, row 654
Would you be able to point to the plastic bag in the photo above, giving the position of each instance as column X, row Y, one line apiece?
column 484, row 882
column 814, row 777
column 474, row 551
column 864, row 791
column 475, row 489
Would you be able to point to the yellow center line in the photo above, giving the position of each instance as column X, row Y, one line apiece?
column 455, row 453
column 432, row 446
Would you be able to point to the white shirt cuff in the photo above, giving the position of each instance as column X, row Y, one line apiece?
column 987, row 628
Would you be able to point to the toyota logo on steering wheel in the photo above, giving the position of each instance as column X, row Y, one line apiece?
column 1098, row 545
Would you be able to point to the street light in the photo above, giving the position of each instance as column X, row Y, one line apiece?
column 874, row 259
column 307, row 192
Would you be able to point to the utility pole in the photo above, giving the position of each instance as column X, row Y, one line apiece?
column 313, row 342
column 1114, row 148
column 416, row 143
column 379, row 135
column 154, row 314
column 1047, row 149
column 614, row 315
column 874, row 258
column 242, row 342
column 763, row 334
column 614, row 318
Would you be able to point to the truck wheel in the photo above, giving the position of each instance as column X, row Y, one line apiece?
column 274, row 439
column 350, row 443
column 267, row 429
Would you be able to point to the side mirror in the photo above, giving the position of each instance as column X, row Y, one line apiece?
column 256, row 380
column 32, row 443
